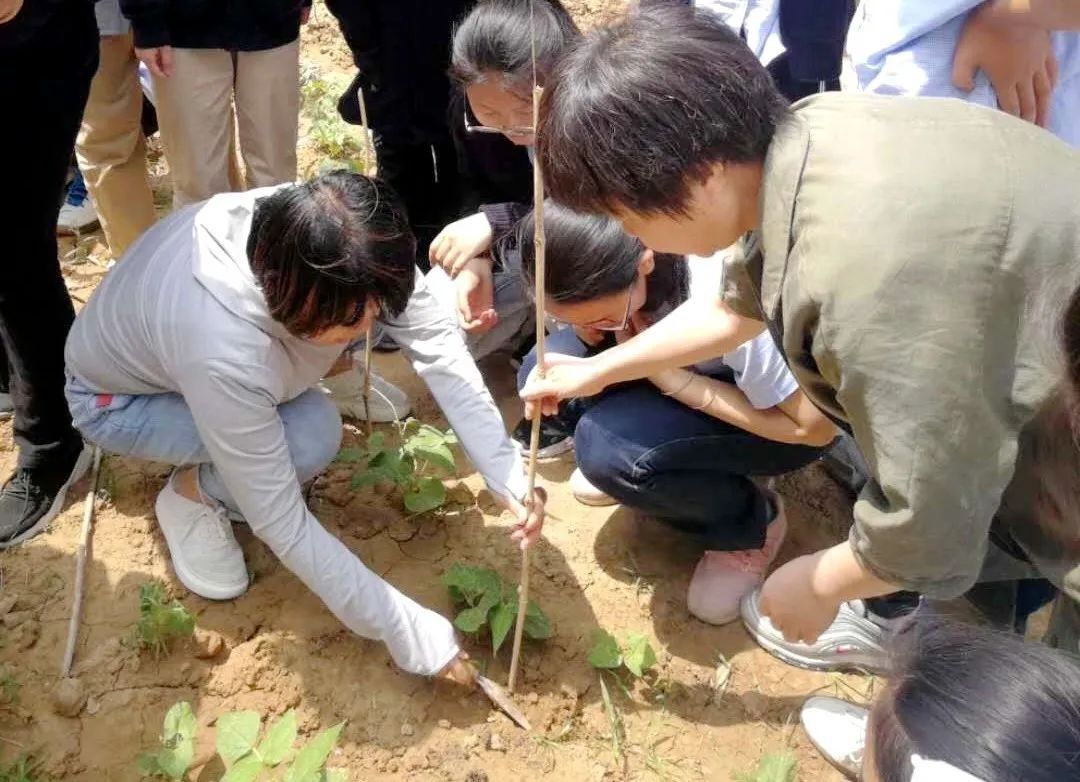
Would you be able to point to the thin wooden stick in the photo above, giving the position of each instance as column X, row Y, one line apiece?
column 367, row 377
column 369, row 164
column 80, row 564
column 534, row 440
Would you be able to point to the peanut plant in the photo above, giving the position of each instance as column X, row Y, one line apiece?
column 415, row 465
column 245, row 756
column 161, row 620
column 488, row 602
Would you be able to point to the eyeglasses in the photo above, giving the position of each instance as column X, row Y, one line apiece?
column 470, row 128
column 626, row 315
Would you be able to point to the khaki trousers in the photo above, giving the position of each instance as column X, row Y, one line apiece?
column 110, row 147
column 195, row 113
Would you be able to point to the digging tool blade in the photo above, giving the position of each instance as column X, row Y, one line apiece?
column 501, row 698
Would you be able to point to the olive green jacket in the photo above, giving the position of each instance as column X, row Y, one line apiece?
column 910, row 255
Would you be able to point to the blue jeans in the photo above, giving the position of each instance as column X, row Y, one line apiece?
column 160, row 428
column 679, row 465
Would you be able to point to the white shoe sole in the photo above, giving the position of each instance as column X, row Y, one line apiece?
column 549, row 454
column 833, row 761
column 595, row 502
column 82, row 464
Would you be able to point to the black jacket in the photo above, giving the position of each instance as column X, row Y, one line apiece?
column 402, row 48
column 36, row 15
column 234, row 25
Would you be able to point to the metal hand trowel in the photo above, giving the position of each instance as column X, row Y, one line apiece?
column 503, row 700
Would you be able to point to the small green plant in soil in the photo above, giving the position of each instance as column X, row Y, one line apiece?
column 636, row 655
column 245, row 756
column 330, row 135
column 416, row 465
column 773, row 767
column 22, row 769
column 9, row 687
column 486, row 601
column 161, row 620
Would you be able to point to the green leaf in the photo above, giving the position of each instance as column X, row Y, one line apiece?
column 335, row 775
column 147, row 765
column 468, row 584
column 639, row 656
column 236, row 735
column 537, row 626
column 502, row 619
column 180, row 723
column 312, row 757
column 365, row 479
column 605, row 651
column 352, row 455
column 178, row 621
column 377, row 441
column 174, row 762
column 773, row 767
column 435, row 453
column 471, row 619
column 279, row 738
column 246, row 770
column 427, row 494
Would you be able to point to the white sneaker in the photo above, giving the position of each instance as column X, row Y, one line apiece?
column 205, row 555
column 386, row 402
column 76, row 217
column 587, row 494
column 837, row 729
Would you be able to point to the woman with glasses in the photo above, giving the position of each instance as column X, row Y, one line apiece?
column 688, row 446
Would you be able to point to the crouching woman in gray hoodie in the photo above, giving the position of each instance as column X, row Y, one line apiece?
column 202, row 348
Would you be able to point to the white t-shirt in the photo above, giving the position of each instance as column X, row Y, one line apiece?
column 760, row 370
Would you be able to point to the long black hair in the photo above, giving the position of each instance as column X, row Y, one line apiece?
column 589, row 256
column 991, row 704
column 497, row 37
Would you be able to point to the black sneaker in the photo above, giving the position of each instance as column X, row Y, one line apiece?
column 554, row 438
column 31, row 499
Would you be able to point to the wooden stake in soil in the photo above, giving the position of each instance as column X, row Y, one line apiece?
column 534, row 440
column 369, row 162
column 367, row 377
column 80, row 565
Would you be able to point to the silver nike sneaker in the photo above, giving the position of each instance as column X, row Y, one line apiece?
column 853, row 642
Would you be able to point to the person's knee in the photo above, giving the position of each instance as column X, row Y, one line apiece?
column 313, row 430
column 601, row 461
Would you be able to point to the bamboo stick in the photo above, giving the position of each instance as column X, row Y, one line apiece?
column 367, row 377
column 80, row 565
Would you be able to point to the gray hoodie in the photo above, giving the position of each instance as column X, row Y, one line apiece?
column 182, row 313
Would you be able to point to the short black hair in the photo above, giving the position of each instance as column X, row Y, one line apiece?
column 319, row 250
column 589, row 256
column 986, row 702
column 497, row 37
column 637, row 112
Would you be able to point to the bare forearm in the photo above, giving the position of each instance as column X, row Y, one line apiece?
column 838, row 576
column 700, row 329
column 726, row 402
column 1046, row 14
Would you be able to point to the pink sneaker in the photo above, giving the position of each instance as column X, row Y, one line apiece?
column 722, row 578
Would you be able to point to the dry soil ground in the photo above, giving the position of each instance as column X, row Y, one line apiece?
column 715, row 705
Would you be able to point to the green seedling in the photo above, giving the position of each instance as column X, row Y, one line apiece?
column 636, row 655
column 416, row 465
column 172, row 759
column 160, row 620
column 773, row 767
column 22, row 769
column 246, row 758
column 9, row 687
column 489, row 602
column 328, row 133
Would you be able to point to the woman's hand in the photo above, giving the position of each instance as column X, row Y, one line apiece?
column 460, row 242
column 158, row 59
column 530, row 520
column 459, row 671
column 565, row 377
column 475, row 286
column 791, row 602
column 1017, row 58
column 8, row 9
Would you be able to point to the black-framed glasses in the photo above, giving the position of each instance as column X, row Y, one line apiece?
column 471, row 128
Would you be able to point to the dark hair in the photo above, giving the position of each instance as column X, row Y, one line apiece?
column 497, row 37
column 588, row 256
column 319, row 250
column 638, row 112
column 990, row 704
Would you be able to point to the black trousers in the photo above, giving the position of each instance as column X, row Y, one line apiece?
column 426, row 177
column 44, row 89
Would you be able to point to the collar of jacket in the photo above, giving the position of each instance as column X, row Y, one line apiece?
column 780, row 181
